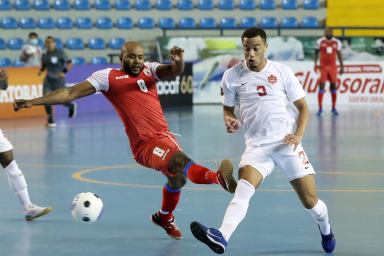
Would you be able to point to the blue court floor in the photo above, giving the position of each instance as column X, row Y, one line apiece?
column 91, row 153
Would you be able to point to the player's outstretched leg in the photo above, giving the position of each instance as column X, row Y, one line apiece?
column 209, row 236
column 33, row 212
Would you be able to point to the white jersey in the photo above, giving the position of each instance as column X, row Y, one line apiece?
column 264, row 99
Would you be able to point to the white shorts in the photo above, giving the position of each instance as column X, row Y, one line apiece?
column 5, row 145
column 294, row 164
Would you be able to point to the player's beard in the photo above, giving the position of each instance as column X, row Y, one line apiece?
column 127, row 69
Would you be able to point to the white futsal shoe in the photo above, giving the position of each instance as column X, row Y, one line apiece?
column 34, row 211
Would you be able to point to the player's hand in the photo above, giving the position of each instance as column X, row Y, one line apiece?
column 292, row 139
column 176, row 54
column 231, row 123
column 19, row 104
column 341, row 70
column 316, row 68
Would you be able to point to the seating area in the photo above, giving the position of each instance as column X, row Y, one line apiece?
column 93, row 28
column 148, row 22
column 145, row 5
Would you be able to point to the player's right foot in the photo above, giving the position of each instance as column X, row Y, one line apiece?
column 328, row 242
column 225, row 176
column 320, row 112
column 169, row 226
column 34, row 211
column 209, row 236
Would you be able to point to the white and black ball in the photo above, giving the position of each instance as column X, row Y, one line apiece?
column 87, row 207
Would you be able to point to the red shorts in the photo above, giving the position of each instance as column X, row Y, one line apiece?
column 156, row 152
column 328, row 73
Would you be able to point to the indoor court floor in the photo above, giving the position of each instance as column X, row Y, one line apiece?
column 91, row 153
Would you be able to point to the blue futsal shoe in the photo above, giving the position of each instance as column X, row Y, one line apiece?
column 328, row 242
column 320, row 112
column 210, row 236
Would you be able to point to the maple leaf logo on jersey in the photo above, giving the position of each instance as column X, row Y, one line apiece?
column 272, row 79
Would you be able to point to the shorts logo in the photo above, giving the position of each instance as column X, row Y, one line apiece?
column 304, row 157
column 272, row 79
column 160, row 152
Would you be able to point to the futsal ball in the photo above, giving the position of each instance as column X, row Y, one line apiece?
column 87, row 207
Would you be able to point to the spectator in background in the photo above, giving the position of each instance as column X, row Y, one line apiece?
column 56, row 63
column 31, row 51
column 329, row 48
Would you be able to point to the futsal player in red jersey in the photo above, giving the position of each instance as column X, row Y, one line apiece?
column 133, row 93
column 329, row 48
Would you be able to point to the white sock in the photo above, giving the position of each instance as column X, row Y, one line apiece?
column 17, row 183
column 320, row 214
column 237, row 208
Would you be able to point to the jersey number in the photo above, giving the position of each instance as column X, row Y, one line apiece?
column 142, row 85
column 261, row 90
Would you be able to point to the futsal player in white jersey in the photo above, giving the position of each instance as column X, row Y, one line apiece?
column 15, row 176
column 266, row 93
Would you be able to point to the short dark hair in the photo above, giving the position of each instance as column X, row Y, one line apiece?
column 33, row 34
column 50, row 37
column 254, row 32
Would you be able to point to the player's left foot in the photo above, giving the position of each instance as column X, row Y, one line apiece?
column 334, row 112
column 169, row 226
column 209, row 236
column 34, row 211
column 225, row 177
column 328, row 242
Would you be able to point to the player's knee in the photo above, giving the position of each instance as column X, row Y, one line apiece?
column 333, row 87
column 310, row 201
column 178, row 181
column 6, row 158
column 178, row 161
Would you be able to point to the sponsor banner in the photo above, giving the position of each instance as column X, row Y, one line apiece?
column 178, row 91
column 361, row 84
column 24, row 83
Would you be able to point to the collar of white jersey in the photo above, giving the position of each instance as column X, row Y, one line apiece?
column 265, row 67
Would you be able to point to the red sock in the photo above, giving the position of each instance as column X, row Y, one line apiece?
column 334, row 97
column 170, row 199
column 199, row 174
column 320, row 96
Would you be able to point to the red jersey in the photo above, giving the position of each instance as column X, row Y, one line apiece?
column 135, row 99
column 328, row 50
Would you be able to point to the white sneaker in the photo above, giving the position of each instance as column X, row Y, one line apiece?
column 34, row 211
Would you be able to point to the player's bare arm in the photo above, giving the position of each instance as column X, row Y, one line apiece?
column 230, row 120
column 175, row 68
column 59, row 96
column 302, row 121
column 340, row 58
column 3, row 80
